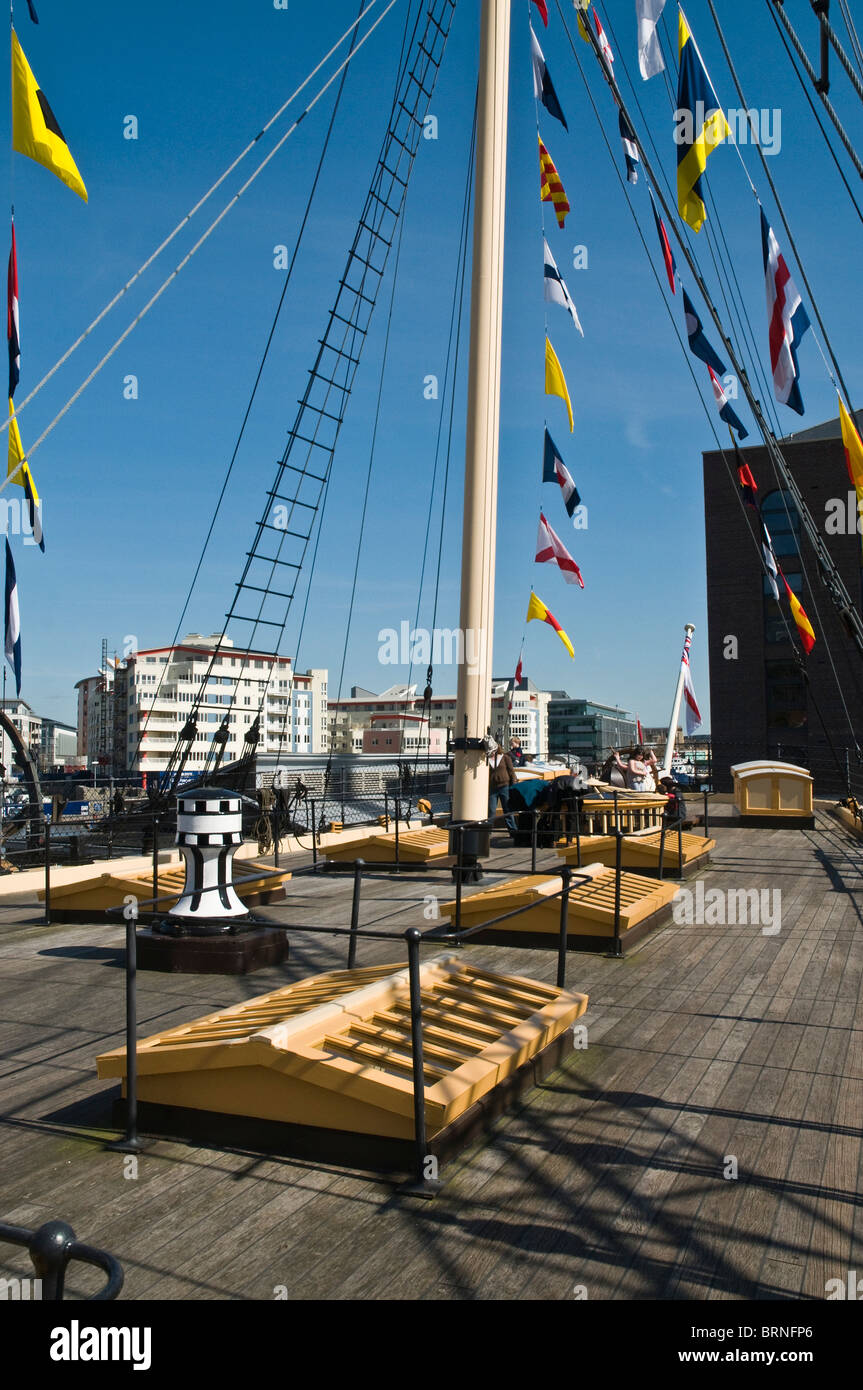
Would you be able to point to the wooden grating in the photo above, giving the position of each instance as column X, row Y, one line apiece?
column 335, row 1051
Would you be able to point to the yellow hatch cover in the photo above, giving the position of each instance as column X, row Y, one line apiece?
column 335, row 1051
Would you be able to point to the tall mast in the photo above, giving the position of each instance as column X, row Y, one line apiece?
column 688, row 628
column 473, row 700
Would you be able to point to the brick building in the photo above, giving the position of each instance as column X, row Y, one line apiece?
column 764, row 702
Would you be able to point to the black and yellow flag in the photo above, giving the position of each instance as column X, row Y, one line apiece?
column 35, row 131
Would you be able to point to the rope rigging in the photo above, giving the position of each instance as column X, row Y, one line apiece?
column 319, row 167
column 830, row 575
column 229, row 206
column 317, row 423
column 827, row 570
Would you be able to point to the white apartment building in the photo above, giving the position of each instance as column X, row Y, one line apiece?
column 156, row 691
column 96, row 716
column 351, row 718
column 29, row 726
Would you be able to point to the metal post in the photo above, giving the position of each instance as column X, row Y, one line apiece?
column 618, row 854
column 398, row 814
column 680, row 846
column 314, row 834
column 533, row 841
column 50, row 1251
column 421, row 1186
column 274, row 831
column 355, row 913
column 705, row 813
column 386, row 810
column 661, row 849
column 459, row 873
column 578, row 810
column 130, row 1143
column 616, row 813
column 47, row 873
column 155, row 893
column 566, row 875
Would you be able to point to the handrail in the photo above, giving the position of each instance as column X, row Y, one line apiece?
column 52, row 1247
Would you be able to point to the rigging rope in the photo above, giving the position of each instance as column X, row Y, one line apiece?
column 190, row 214
column 792, row 243
column 369, row 224
column 810, row 71
column 768, row 436
column 450, row 379
column 187, row 258
column 309, row 201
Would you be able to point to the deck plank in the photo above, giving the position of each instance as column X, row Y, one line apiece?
column 708, row 1041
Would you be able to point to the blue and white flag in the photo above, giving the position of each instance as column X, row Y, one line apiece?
column 787, row 320
column 555, row 286
column 543, row 87
column 630, row 149
column 726, row 410
column 698, row 344
column 554, row 470
column 13, row 620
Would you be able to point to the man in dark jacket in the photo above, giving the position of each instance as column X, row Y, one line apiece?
column 501, row 776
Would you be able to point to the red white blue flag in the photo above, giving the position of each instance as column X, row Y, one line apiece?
column 726, row 410
column 554, row 470
column 787, row 320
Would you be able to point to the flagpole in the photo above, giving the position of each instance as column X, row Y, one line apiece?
column 473, row 697
column 689, row 628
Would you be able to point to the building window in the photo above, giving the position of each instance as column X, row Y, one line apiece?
column 782, row 521
column 786, row 696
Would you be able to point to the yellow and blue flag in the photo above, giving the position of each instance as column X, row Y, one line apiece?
column 700, row 126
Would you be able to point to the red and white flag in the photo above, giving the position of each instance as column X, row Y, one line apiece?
column 603, row 41
column 692, row 713
column 551, row 550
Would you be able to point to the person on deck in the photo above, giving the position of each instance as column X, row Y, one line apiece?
column 501, row 776
column 639, row 770
column 516, row 752
column 675, row 810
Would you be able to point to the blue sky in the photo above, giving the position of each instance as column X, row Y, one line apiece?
column 129, row 485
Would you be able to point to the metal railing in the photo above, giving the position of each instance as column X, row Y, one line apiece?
column 51, row 1249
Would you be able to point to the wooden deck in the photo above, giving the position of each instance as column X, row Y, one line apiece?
column 705, row 1044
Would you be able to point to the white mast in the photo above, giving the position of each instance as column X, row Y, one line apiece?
column 689, row 628
column 473, row 701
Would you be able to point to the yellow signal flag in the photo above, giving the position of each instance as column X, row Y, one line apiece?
column 853, row 446
column 798, row 613
column 555, row 381
column 537, row 609
column 581, row 9
column 35, row 131
column 17, row 456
